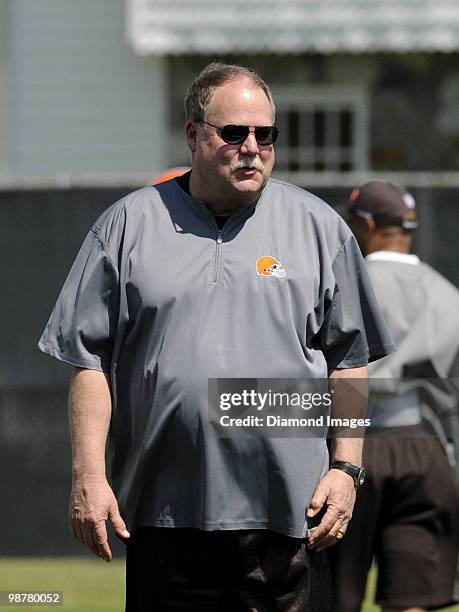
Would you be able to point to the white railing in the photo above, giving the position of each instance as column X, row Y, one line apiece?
column 312, row 179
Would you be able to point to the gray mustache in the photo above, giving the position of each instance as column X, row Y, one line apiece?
column 247, row 163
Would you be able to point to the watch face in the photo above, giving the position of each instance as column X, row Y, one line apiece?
column 361, row 476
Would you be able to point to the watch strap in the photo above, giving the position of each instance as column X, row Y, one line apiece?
column 355, row 471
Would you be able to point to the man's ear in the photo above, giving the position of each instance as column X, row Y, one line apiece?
column 369, row 225
column 191, row 135
column 363, row 230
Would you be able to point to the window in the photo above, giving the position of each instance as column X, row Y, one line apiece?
column 321, row 129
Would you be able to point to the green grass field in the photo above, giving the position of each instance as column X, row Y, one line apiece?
column 89, row 585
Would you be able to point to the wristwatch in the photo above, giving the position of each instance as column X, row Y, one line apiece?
column 357, row 473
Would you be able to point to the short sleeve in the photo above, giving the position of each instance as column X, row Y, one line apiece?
column 353, row 332
column 82, row 326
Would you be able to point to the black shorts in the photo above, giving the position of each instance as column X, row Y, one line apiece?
column 224, row 571
column 406, row 516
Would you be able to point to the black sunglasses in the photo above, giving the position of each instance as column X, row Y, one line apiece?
column 236, row 134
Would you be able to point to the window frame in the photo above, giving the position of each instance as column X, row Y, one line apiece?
column 330, row 98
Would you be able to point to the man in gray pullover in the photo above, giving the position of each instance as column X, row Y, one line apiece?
column 223, row 273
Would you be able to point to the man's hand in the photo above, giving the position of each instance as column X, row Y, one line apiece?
column 336, row 491
column 92, row 503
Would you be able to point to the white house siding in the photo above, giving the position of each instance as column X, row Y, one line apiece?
column 3, row 89
column 80, row 100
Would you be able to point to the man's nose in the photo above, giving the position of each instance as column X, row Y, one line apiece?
column 250, row 144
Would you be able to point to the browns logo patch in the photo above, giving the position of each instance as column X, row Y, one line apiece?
column 270, row 266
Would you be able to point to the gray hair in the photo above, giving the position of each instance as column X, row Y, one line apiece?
column 214, row 75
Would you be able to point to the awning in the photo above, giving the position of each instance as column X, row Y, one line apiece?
column 206, row 27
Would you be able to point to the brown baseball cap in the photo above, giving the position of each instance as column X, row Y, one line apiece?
column 386, row 203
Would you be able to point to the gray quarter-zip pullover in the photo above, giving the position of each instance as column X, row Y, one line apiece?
column 163, row 300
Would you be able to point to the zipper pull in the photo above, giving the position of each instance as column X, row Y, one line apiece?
column 219, row 236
